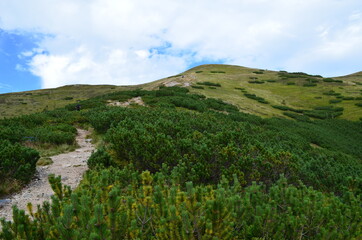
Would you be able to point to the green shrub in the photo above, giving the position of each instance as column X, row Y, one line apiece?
column 290, row 83
column 197, row 87
column 16, row 162
column 253, row 96
column 124, row 204
column 335, row 101
column 209, row 84
column 332, row 80
column 100, row 158
column 299, row 117
column 324, row 112
column 331, row 93
column 256, row 82
column 285, row 108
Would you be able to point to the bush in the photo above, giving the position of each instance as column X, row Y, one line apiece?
column 209, row 84
column 331, row 93
column 253, row 96
column 256, row 82
column 110, row 202
column 16, row 162
column 348, row 98
column 335, row 101
column 100, row 158
column 285, row 108
column 329, row 80
column 197, row 87
column 324, row 112
column 299, row 117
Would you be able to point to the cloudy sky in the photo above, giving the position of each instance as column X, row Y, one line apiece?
column 50, row 43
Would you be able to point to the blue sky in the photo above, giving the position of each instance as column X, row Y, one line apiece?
column 50, row 43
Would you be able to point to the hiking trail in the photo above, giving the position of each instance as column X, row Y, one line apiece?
column 71, row 166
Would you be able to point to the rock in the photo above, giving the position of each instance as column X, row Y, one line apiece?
column 4, row 202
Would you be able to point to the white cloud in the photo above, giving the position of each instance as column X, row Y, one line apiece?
column 133, row 41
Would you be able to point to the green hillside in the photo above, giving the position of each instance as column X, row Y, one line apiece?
column 217, row 152
column 298, row 91
column 294, row 90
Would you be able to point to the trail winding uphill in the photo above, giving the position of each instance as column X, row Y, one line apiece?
column 70, row 166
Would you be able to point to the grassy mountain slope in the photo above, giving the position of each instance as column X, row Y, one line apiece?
column 15, row 104
column 275, row 87
column 294, row 90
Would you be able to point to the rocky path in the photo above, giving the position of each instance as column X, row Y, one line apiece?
column 70, row 166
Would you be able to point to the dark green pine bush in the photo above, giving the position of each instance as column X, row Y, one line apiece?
column 123, row 204
column 16, row 162
column 100, row 158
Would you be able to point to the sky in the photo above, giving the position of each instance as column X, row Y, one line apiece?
column 51, row 43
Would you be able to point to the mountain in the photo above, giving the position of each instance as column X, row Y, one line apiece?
column 176, row 159
column 237, row 86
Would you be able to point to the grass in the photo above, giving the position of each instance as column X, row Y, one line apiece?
column 47, row 150
column 15, row 104
column 10, row 186
column 44, row 161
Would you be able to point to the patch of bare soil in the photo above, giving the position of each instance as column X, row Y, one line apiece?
column 70, row 166
column 135, row 100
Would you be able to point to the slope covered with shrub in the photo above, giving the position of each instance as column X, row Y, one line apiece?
column 190, row 167
column 21, row 140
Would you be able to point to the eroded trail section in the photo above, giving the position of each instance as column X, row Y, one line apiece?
column 70, row 166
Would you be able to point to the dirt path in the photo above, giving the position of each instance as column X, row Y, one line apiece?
column 70, row 166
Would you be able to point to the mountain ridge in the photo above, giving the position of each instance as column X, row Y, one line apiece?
column 276, row 87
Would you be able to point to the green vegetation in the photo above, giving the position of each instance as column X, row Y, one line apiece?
column 124, row 204
column 253, row 96
column 332, row 80
column 44, row 161
column 335, row 101
column 295, row 95
column 24, row 139
column 256, row 81
column 187, row 166
column 309, row 84
column 17, row 165
column 209, row 84
column 197, row 87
